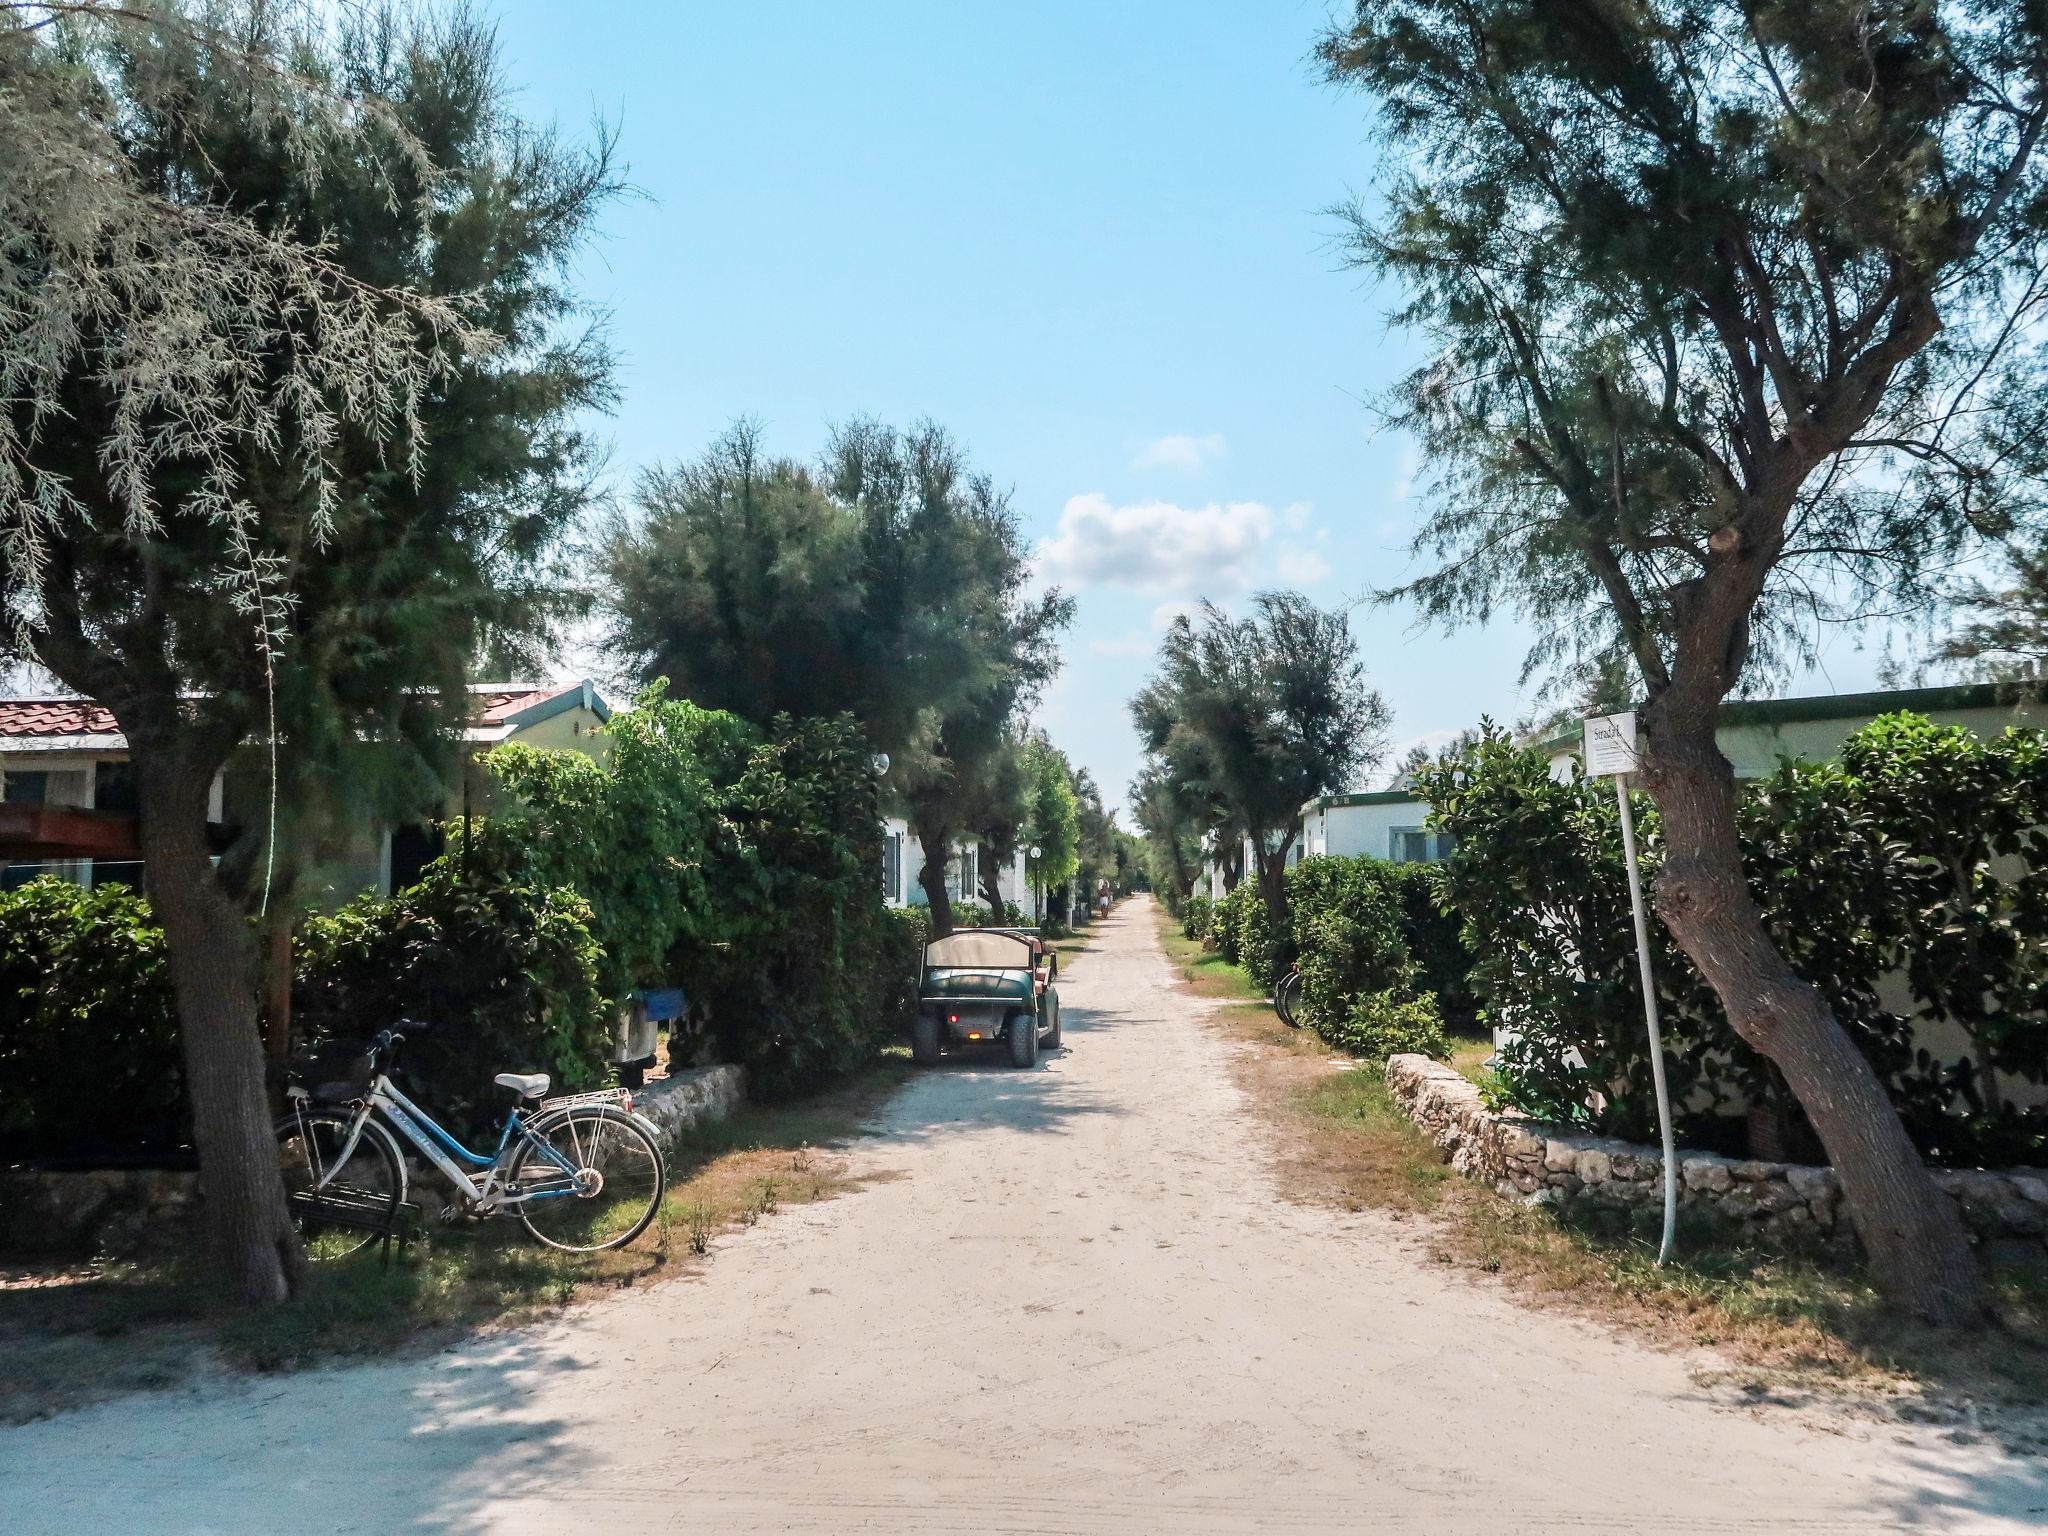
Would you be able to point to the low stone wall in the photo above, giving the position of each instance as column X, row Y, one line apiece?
column 106, row 1210
column 1544, row 1163
column 120, row 1210
column 690, row 1098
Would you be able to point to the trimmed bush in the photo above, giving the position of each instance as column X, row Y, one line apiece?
column 1380, row 1025
column 503, row 976
column 1919, row 856
column 1196, row 913
column 90, row 1064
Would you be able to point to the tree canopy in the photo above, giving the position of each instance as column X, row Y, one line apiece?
column 1252, row 717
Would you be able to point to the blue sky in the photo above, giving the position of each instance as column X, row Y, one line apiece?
column 1088, row 238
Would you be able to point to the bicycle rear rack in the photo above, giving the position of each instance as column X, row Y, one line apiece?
column 614, row 1096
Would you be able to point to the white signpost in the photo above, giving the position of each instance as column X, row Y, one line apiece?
column 1611, row 753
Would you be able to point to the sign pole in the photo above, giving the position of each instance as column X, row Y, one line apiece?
column 1611, row 750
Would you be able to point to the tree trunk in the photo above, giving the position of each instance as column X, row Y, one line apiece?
column 1913, row 1234
column 992, row 882
column 212, row 956
column 931, row 878
column 1272, row 873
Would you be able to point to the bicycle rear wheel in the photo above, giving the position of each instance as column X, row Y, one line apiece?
column 595, row 1181
column 370, row 1178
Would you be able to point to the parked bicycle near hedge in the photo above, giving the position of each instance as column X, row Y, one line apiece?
column 582, row 1171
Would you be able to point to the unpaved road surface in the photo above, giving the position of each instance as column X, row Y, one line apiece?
column 1081, row 1307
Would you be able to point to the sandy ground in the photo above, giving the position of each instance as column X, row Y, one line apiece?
column 1080, row 1308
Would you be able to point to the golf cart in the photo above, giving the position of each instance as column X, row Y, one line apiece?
column 987, row 984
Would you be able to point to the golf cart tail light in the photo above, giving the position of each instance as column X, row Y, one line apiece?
column 952, row 1018
column 973, row 1034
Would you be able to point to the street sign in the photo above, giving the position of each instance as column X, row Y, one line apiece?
column 1610, row 745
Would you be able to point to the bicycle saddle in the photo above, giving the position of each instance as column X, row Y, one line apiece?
column 528, row 1085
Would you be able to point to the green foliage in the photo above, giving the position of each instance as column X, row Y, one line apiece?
column 633, row 833
column 791, row 952
column 1052, row 814
column 1196, row 915
column 1611, row 370
column 1261, row 948
column 89, row 1056
column 1347, row 930
column 1252, row 717
column 1379, row 1025
column 1917, row 856
column 502, row 974
column 1227, row 922
column 1372, row 950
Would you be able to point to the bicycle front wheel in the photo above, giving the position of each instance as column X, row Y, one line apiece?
column 367, row 1181
column 588, row 1179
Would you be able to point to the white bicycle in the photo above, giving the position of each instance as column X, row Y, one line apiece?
column 582, row 1172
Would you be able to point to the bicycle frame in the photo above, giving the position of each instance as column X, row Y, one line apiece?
column 484, row 1189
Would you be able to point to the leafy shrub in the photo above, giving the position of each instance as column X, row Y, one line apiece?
column 1347, row 930
column 792, row 952
column 90, row 1063
column 1380, row 1025
column 501, row 975
column 1918, row 856
column 1263, row 951
column 1196, row 913
column 1228, row 923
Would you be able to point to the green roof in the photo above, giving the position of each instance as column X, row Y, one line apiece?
column 1849, row 706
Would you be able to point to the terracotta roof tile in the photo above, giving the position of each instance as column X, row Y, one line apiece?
column 28, row 718
column 55, row 717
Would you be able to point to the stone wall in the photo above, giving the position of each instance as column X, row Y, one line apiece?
column 118, row 1211
column 674, row 1104
column 107, row 1210
column 1544, row 1163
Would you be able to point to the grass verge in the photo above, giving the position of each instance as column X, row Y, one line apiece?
column 1787, row 1327
column 72, row 1334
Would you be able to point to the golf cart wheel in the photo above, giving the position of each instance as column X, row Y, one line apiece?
column 1051, row 1042
column 1023, row 1033
column 924, row 1039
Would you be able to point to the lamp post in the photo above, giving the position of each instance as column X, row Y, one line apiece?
column 1037, row 906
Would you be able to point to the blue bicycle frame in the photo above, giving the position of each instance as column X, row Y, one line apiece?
column 486, row 1190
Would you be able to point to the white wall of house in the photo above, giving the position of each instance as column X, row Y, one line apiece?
column 903, row 858
column 1386, row 824
column 1755, row 735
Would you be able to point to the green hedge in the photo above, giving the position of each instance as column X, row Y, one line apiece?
column 500, row 975
column 89, row 1056
column 1918, row 854
column 1373, row 962
column 1196, row 913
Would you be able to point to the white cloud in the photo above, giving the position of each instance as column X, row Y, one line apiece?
column 1156, row 546
column 1134, row 642
column 1180, row 450
column 1301, row 567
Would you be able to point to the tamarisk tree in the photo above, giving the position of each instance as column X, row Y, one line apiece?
column 1734, row 308
column 1253, row 717
column 285, row 442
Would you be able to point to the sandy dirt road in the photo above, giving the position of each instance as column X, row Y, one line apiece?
column 1079, row 1307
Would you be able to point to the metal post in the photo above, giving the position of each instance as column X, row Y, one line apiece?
column 1635, row 896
